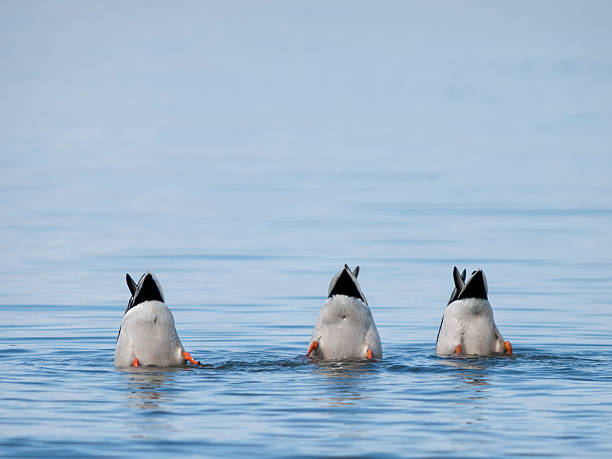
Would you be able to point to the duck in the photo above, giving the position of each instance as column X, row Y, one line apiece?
column 345, row 329
column 147, row 335
column 468, row 326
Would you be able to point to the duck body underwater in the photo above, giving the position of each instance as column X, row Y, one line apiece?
column 468, row 326
column 345, row 328
column 147, row 335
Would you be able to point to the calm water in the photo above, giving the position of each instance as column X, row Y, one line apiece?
column 244, row 153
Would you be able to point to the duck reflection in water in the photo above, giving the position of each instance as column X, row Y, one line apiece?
column 150, row 389
column 471, row 372
column 471, row 392
column 150, row 392
column 346, row 382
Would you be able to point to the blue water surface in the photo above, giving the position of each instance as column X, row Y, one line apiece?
column 244, row 152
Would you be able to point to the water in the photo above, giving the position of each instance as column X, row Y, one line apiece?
column 244, row 153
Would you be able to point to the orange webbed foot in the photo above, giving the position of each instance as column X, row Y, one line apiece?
column 312, row 347
column 508, row 347
column 458, row 349
column 369, row 354
column 135, row 362
column 187, row 356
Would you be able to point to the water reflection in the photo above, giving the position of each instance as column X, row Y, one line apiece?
column 463, row 364
column 347, row 382
column 470, row 396
column 472, row 377
column 148, row 387
column 150, row 392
